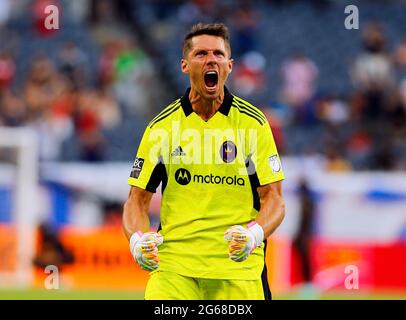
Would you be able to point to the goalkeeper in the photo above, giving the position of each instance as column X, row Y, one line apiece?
column 221, row 175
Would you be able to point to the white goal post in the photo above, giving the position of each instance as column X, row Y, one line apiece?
column 22, row 178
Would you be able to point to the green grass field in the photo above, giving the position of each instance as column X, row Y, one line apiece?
column 37, row 294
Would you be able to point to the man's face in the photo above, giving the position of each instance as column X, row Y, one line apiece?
column 208, row 65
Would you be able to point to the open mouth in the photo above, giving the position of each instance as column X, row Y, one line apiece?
column 211, row 79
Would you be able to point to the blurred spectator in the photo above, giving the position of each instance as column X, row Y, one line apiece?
column 12, row 109
column 111, row 11
column 396, row 108
column 7, row 69
column 372, row 72
column 134, row 78
column 43, row 89
column 78, row 10
column 299, row 80
column 51, row 251
column 359, row 148
column 5, row 10
column 248, row 77
column 87, row 123
column 400, row 53
column 383, row 157
column 334, row 161
column 102, row 12
column 42, row 86
column 52, row 131
column 107, row 109
column 333, row 110
column 112, row 214
column 245, row 20
column 72, row 64
column 304, row 233
column 106, row 72
column 198, row 10
column 106, row 23
column 277, row 125
column 92, row 146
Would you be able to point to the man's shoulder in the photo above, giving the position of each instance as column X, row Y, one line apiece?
column 249, row 112
column 165, row 113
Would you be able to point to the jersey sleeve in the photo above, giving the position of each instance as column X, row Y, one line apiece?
column 146, row 172
column 264, row 158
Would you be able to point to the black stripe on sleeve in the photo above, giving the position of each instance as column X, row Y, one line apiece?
column 164, row 111
column 166, row 115
column 254, row 181
column 248, row 113
column 158, row 175
column 245, row 104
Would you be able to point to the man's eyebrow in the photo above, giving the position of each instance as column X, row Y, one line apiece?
column 205, row 50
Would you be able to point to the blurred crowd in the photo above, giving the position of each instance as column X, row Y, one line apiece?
column 63, row 97
column 364, row 129
column 62, row 93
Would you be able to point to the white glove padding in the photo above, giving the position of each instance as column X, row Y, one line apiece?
column 243, row 241
column 144, row 248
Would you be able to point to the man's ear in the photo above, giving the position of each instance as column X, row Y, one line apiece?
column 231, row 64
column 184, row 66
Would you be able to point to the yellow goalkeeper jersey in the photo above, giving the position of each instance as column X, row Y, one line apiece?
column 209, row 172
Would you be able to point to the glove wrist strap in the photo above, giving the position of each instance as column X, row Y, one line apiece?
column 257, row 231
column 134, row 238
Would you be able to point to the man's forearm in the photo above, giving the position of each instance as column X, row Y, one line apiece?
column 135, row 213
column 272, row 210
column 242, row 242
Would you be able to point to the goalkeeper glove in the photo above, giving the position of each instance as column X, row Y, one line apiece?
column 242, row 241
column 144, row 248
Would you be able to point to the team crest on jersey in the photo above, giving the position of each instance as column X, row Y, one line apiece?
column 274, row 163
column 137, row 167
column 228, row 151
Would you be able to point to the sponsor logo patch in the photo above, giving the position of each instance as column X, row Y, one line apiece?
column 137, row 167
column 178, row 152
column 182, row 176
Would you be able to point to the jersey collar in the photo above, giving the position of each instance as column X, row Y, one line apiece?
column 224, row 108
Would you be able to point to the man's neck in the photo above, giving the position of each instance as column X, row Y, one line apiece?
column 205, row 108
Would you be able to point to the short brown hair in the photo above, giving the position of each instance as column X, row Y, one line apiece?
column 212, row 29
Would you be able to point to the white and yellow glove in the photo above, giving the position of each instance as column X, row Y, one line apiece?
column 242, row 241
column 144, row 248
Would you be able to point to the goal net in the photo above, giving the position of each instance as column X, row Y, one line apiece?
column 18, row 205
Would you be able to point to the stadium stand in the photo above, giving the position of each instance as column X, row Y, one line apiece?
column 301, row 74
